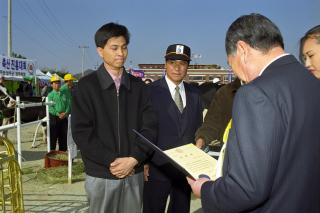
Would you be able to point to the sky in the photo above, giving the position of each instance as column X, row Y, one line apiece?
column 51, row 31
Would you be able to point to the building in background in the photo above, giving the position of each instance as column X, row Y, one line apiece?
column 196, row 73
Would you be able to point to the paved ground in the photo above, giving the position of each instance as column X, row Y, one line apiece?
column 57, row 197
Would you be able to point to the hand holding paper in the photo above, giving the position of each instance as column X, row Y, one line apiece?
column 189, row 159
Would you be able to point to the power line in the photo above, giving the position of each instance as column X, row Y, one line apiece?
column 35, row 18
column 55, row 22
column 36, row 42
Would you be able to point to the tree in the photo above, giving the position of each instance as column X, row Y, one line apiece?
column 16, row 55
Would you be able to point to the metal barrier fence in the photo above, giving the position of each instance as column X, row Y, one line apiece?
column 18, row 123
column 11, row 193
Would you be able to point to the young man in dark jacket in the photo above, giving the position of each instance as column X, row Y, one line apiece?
column 107, row 104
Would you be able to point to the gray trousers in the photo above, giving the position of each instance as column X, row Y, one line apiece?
column 115, row 196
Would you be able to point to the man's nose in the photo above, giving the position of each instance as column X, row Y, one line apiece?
column 307, row 62
column 120, row 52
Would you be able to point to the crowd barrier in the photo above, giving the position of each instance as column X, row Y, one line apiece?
column 18, row 123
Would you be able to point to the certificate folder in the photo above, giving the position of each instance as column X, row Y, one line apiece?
column 189, row 159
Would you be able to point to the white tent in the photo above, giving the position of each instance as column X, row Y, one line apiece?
column 42, row 78
column 48, row 74
column 41, row 75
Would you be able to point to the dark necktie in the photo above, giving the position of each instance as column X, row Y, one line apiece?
column 178, row 99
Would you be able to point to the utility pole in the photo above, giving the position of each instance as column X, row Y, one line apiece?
column 9, row 50
column 83, row 47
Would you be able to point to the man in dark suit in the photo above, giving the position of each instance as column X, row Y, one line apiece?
column 272, row 156
column 179, row 111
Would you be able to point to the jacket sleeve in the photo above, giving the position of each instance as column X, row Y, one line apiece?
column 148, row 127
column 83, row 125
column 52, row 109
column 68, row 96
column 252, row 153
column 216, row 119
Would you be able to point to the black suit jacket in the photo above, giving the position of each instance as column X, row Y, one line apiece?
column 174, row 129
column 272, row 161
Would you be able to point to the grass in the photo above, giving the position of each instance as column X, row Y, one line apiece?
column 55, row 175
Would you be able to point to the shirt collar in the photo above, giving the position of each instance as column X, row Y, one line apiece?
column 172, row 86
column 106, row 79
column 273, row 60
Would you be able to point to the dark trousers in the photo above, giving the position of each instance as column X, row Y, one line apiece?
column 156, row 193
column 58, row 132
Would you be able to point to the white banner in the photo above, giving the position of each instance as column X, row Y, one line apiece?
column 16, row 67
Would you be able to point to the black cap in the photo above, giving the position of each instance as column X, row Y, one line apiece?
column 178, row 52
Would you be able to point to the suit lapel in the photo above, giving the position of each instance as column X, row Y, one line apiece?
column 187, row 109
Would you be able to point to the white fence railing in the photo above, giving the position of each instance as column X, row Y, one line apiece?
column 18, row 124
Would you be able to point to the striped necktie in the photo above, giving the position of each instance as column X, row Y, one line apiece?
column 178, row 99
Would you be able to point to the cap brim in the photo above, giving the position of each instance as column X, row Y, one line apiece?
column 177, row 57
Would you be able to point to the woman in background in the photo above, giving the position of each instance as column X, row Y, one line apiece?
column 310, row 50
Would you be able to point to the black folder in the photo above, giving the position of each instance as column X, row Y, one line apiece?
column 148, row 143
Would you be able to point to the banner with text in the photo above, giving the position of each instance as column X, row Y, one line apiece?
column 16, row 68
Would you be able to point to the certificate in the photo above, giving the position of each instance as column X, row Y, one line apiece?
column 189, row 159
column 194, row 160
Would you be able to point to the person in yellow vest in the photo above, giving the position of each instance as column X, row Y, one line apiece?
column 58, row 115
column 219, row 171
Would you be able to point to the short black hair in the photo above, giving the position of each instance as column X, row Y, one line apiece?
column 312, row 33
column 254, row 29
column 109, row 30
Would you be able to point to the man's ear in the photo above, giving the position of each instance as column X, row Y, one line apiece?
column 100, row 51
column 243, row 50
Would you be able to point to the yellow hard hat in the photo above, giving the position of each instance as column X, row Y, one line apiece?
column 69, row 77
column 54, row 78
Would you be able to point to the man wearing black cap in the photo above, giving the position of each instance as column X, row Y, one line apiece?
column 179, row 110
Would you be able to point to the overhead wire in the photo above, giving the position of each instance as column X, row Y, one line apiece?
column 56, row 23
column 36, row 41
column 28, row 9
column 63, row 38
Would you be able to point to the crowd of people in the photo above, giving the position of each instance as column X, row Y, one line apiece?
column 59, row 111
column 271, row 157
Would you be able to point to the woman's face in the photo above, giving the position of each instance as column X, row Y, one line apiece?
column 311, row 56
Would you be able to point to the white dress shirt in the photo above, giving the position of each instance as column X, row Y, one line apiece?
column 172, row 89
